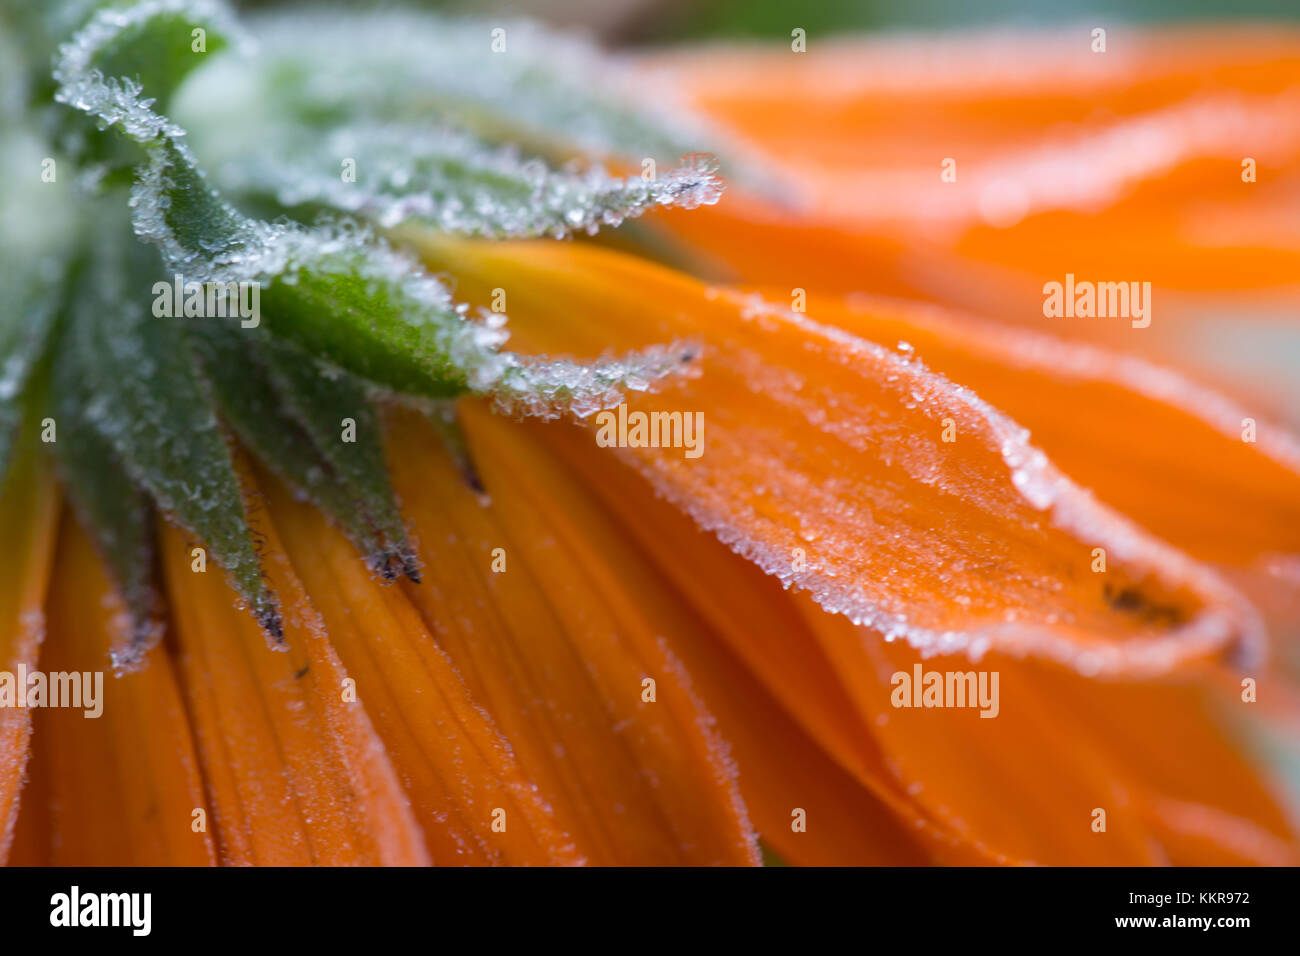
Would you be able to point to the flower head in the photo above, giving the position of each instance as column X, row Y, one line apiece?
column 860, row 517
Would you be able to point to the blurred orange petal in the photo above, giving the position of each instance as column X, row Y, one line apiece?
column 121, row 788
column 28, row 522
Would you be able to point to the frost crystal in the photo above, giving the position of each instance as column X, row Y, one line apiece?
column 547, row 389
column 872, row 409
column 450, row 181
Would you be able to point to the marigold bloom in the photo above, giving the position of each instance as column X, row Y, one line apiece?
column 560, row 653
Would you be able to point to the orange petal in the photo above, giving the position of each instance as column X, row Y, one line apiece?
column 1235, row 340
column 556, row 647
column 808, row 808
column 833, row 474
column 296, row 773
column 1029, row 781
column 121, row 788
column 1035, row 122
column 1148, row 441
column 986, row 84
column 460, row 772
column 776, row 697
column 1194, row 783
column 1123, row 166
column 737, row 601
column 28, row 518
column 1020, row 786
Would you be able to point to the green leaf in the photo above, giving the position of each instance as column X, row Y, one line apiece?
column 154, row 43
column 126, row 58
column 235, row 362
column 550, row 94
column 344, row 428
column 113, row 509
column 350, row 300
column 344, row 296
column 26, row 312
column 447, row 123
column 145, row 397
column 34, row 236
column 449, row 181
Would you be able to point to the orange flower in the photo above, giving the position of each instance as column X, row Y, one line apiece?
column 643, row 655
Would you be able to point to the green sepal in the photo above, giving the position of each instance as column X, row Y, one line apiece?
column 344, row 427
column 116, row 513
column 235, row 363
column 144, row 395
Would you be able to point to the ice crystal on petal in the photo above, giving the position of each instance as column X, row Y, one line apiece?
column 890, row 402
column 545, row 389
